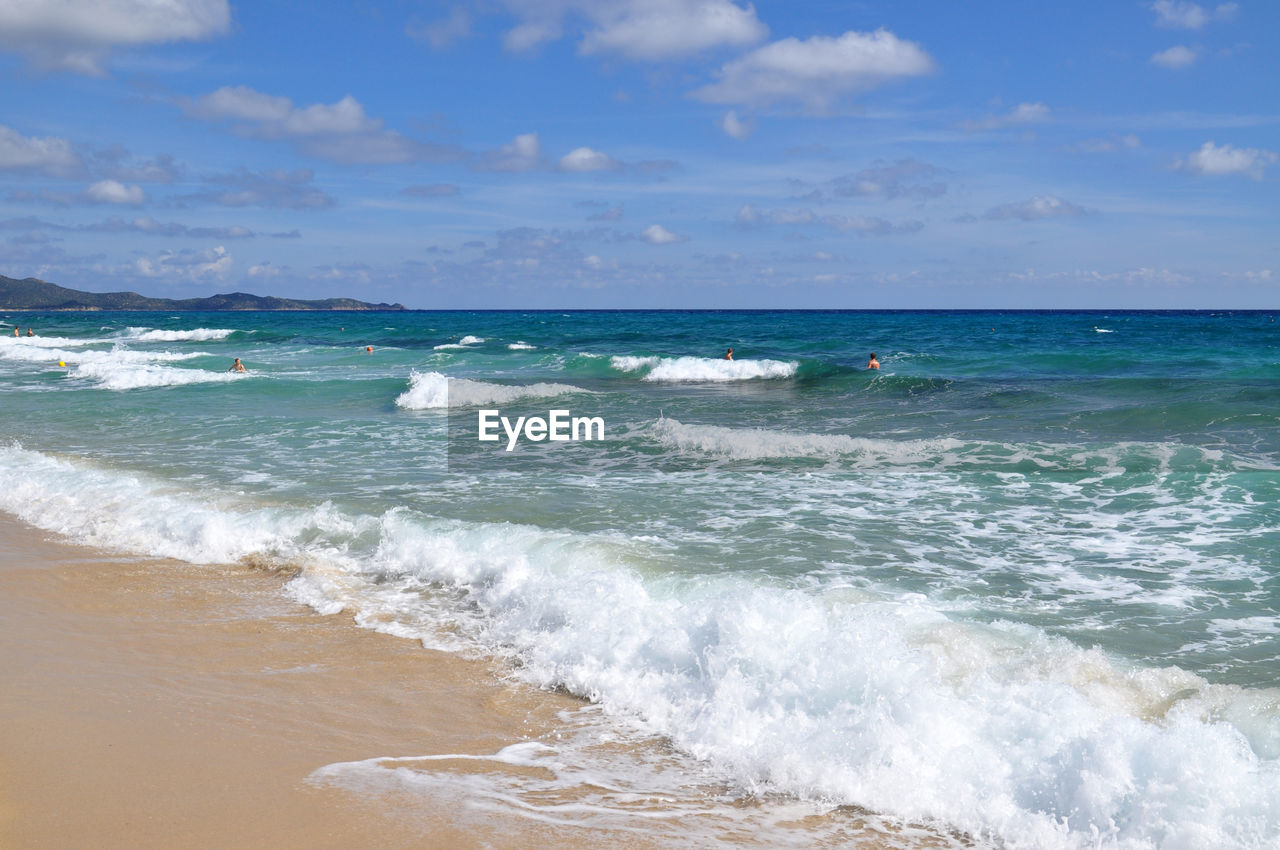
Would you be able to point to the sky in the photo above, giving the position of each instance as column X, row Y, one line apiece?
column 647, row 153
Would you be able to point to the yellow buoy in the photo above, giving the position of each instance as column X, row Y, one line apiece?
column 62, row 363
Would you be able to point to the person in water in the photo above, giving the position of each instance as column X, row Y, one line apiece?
column 29, row 333
column 237, row 366
column 728, row 355
column 873, row 363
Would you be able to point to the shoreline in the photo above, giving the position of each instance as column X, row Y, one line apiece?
column 153, row 703
column 157, row 703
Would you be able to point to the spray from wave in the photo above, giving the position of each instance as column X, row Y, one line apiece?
column 702, row 368
column 195, row 335
column 874, row 698
column 431, row 390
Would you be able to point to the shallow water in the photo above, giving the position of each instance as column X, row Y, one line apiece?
column 1021, row 582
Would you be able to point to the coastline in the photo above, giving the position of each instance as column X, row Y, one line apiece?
column 154, row 703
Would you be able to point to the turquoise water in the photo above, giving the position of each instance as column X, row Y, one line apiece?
column 1021, row 582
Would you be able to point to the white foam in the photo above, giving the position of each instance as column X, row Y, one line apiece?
column 114, row 375
column 428, row 390
column 196, row 334
column 11, row 344
column 466, row 342
column 121, row 368
column 521, row 346
column 878, row 699
column 759, row 443
column 702, row 368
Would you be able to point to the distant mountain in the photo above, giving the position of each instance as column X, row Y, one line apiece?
column 34, row 294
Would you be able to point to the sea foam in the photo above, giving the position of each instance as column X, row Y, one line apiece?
column 760, row 443
column 429, row 390
column 466, row 342
column 877, row 699
column 114, row 375
column 702, row 368
column 196, row 334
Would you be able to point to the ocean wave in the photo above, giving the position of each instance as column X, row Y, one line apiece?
column 760, row 443
column 521, row 346
column 26, row 343
column 195, row 335
column 114, row 375
column 702, row 368
column 466, row 342
column 114, row 356
column 121, row 368
column 429, row 390
column 874, row 699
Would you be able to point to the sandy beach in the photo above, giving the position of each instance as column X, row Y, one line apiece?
column 160, row 704
column 154, row 703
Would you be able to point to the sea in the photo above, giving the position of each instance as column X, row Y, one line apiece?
column 1018, row 588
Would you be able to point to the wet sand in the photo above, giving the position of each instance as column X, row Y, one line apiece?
column 161, row 704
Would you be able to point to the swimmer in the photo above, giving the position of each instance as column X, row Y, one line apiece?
column 237, row 366
column 15, row 331
column 873, row 363
column 29, row 333
column 728, row 355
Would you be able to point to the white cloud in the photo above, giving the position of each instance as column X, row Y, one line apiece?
column 1215, row 160
column 1039, row 207
column 531, row 34
column 665, row 29
column 264, row 270
column 272, row 188
column 735, row 127
column 648, row 30
column 26, row 153
column 114, row 192
column 195, row 265
column 867, row 226
column 1178, row 56
column 656, row 234
column 817, row 71
column 444, row 32
column 1177, row 14
column 277, row 117
column 524, row 153
column 77, row 35
column 586, row 159
column 1020, row 115
column 340, row 131
column 900, row 179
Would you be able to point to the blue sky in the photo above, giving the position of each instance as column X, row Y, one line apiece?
column 647, row 153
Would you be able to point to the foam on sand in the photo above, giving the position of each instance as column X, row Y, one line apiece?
column 429, row 390
column 702, row 368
